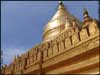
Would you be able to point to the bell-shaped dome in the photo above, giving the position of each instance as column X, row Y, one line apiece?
column 59, row 22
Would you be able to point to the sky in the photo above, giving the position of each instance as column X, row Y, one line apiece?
column 22, row 22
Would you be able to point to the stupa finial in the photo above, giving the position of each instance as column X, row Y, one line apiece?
column 85, row 11
column 60, row 2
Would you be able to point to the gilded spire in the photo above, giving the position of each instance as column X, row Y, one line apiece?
column 85, row 13
column 60, row 2
column 87, row 18
column 60, row 5
column 59, row 22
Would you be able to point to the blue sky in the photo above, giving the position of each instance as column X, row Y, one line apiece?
column 22, row 22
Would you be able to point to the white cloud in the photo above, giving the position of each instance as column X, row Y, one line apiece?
column 10, row 53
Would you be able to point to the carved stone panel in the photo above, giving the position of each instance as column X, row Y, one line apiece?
column 31, row 60
column 12, row 67
column 28, row 62
column 75, row 38
column 93, row 29
column 45, row 54
column 67, row 43
column 70, row 32
column 62, row 36
column 3, row 70
column 15, row 68
column 9, row 69
column 35, row 57
column 39, row 55
column 94, row 43
column 50, row 51
column 55, row 47
column 35, row 54
column 57, row 39
column 31, row 52
column 61, row 46
column 45, row 46
column 25, row 55
column 83, row 34
column 66, row 34
column 19, row 66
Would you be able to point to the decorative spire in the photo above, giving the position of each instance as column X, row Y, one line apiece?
column 85, row 13
column 60, row 2
column 60, row 5
column 87, row 18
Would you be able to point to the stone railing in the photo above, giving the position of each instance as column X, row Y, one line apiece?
column 50, row 49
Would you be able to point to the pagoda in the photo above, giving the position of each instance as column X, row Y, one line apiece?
column 69, row 46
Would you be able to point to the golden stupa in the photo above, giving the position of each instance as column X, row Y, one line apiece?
column 61, row 21
column 69, row 47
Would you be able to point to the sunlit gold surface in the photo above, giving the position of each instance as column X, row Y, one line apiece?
column 62, row 18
